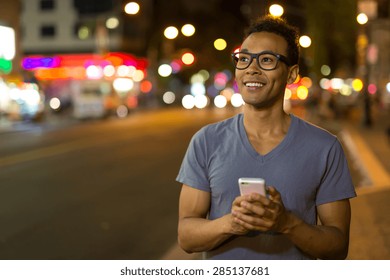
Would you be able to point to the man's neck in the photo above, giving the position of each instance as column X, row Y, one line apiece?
column 266, row 122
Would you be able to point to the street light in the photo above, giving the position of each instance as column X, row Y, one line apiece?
column 112, row 22
column 132, row 8
column 276, row 10
column 171, row 32
column 362, row 18
column 188, row 58
column 188, row 30
column 305, row 41
column 220, row 44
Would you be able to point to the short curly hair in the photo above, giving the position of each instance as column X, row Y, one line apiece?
column 280, row 27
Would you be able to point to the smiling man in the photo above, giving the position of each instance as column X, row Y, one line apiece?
column 304, row 167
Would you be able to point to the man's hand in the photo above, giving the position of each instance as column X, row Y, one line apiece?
column 256, row 212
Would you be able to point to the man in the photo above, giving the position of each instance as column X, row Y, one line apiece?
column 303, row 166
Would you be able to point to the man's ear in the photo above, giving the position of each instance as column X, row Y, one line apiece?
column 293, row 74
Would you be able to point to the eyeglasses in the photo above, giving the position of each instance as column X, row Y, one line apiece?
column 266, row 60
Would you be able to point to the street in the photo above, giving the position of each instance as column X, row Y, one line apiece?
column 107, row 190
column 95, row 190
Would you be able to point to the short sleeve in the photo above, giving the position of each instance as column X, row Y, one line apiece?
column 193, row 171
column 336, row 183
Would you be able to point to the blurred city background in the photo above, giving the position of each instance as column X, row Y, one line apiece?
column 99, row 99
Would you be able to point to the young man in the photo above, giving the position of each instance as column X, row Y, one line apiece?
column 304, row 168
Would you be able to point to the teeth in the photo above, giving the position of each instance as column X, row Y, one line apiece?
column 254, row 84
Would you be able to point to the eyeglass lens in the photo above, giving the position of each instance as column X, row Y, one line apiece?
column 266, row 61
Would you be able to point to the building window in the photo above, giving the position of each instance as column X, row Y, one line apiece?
column 47, row 5
column 93, row 6
column 48, row 31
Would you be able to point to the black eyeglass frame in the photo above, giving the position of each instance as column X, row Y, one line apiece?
column 256, row 55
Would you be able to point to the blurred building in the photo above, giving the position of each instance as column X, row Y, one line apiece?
column 378, row 49
column 69, row 26
column 374, row 60
column 9, row 17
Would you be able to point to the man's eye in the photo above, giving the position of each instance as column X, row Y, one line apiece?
column 243, row 59
column 267, row 59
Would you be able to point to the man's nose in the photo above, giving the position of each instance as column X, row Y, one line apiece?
column 253, row 67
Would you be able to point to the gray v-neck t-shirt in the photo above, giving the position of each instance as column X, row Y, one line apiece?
column 308, row 168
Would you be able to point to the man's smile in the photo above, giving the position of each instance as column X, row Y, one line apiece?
column 253, row 85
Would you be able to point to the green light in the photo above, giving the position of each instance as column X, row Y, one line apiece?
column 5, row 65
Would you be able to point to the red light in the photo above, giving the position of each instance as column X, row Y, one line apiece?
column 146, row 86
column 372, row 88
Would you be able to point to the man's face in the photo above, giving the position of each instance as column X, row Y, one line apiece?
column 262, row 88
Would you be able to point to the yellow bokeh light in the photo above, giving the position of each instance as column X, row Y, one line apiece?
column 307, row 82
column 345, row 90
column 188, row 30
column 302, row 92
column 139, row 75
column 362, row 18
column 132, row 8
column 188, row 58
column 305, row 41
column 112, row 23
column 357, row 85
column 276, row 10
column 220, row 44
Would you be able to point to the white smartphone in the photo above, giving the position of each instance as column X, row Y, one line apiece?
column 252, row 185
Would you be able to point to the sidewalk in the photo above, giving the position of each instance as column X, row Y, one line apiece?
column 370, row 225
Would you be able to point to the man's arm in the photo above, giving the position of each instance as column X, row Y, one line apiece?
column 195, row 232
column 329, row 240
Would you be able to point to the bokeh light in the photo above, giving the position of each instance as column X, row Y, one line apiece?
column 122, row 111
column 55, row 103
column 112, row 23
column 220, row 44
column 188, row 58
column 123, row 84
column 146, row 86
column 188, row 101
column 220, row 101
column 171, row 32
column 188, row 30
column 345, row 90
column 372, row 89
column 164, row 70
column 132, row 8
column 276, row 10
column 169, row 97
column 325, row 70
column 139, row 75
column 237, row 100
column 305, row 41
column 357, row 85
column 198, row 89
column 94, row 72
column 302, row 92
column 362, row 18
column 201, row 101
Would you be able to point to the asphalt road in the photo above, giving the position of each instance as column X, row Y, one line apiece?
column 95, row 190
